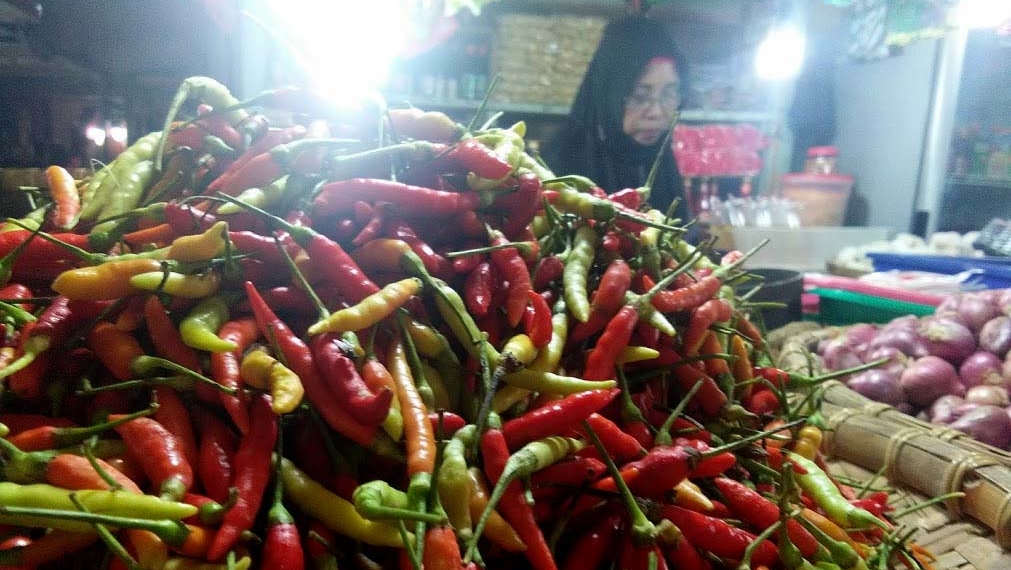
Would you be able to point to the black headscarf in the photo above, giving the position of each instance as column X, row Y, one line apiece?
column 593, row 143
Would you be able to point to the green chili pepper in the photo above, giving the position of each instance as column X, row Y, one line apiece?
column 377, row 500
column 454, row 486
column 820, row 487
column 199, row 328
column 100, row 502
column 577, row 272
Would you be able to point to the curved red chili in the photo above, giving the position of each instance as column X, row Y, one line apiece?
column 252, row 473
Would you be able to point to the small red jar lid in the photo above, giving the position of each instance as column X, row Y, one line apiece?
column 817, row 151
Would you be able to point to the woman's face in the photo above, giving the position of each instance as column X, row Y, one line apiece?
column 650, row 108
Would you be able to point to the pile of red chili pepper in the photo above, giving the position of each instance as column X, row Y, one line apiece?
column 387, row 340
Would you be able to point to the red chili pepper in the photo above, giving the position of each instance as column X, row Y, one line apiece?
column 252, row 473
column 480, row 159
column 537, row 320
column 762, row 401
column 54, row 327
column 374, row 225
column 225, row 368
column 218, row 126
column 187, row 219
column 298, row 357
column 215, row 463
column 334, row 264
column 38, row 249
column 513, row 269
column 521, row 207
column 173, row 414
column 550, row 269
column 442, row 551
column 21, row 422
column 620, row 446
column 477, row 289
column 159, row 455
column 711, row 466
column 687, row 297
column 756, row 510
column 575, row 471
column 340, row 196
column 655, row 474
column 268, row 141
column 445, row 424
column 168, row 343
column 709, row 396
column 616, row 335
column 719, row 537
column 684, row 556
column 704, row 316
column 556, row 418
column 605, row 302
column 264, row 247
column 597, row 544
column 513, row 505
column 631, row 198
column 343, row 380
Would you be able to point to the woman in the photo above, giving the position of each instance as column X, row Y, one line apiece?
column 623, row 111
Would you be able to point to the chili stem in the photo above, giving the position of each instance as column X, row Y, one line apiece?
column 924, row 504
column 171, row 532
column 114, row 545
column 643, row 530
column 663, row 434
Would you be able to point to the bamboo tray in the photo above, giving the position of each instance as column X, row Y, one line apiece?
column 866, row 440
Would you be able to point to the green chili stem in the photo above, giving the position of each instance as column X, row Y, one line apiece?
column 103, row 533
column 523, row 247
column 924, row 504
column 171, row 532
column 643, row 530
column 663, row 434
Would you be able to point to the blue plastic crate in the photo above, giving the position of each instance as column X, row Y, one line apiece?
column 992, row 272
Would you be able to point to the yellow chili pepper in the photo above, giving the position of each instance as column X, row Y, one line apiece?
column 554, row 383
column 193, row 286
column 741, row 367
column 200, row 247
column 690, row 496
column 636, row 354
column 106, row 281
column 496, row 529
column 336, row 513
column 179, row 563
column 440, row 394
column 518, row 352
column 370, row 310
column 507, row 397
column 808, row 442
column 261, row 370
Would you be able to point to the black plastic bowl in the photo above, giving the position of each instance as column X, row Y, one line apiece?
column 777, row 286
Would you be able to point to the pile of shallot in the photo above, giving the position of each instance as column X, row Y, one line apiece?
column 952, row 368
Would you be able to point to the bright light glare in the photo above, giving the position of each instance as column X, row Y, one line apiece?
column 781, row 54
column 983, row 13
column 118, row 134
column 95, row 135
column 347, row 47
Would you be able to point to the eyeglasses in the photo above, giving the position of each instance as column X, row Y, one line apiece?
column 642, row 101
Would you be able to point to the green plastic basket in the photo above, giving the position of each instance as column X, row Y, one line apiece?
column 838, row 307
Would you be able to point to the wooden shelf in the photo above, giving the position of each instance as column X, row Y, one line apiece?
column 980, row 181
column 559, row 111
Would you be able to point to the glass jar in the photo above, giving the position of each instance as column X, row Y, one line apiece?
column 821, row 160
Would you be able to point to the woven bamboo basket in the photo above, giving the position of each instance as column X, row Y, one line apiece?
column 870, row 442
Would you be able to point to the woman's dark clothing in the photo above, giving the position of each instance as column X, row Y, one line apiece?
column 593, row 143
